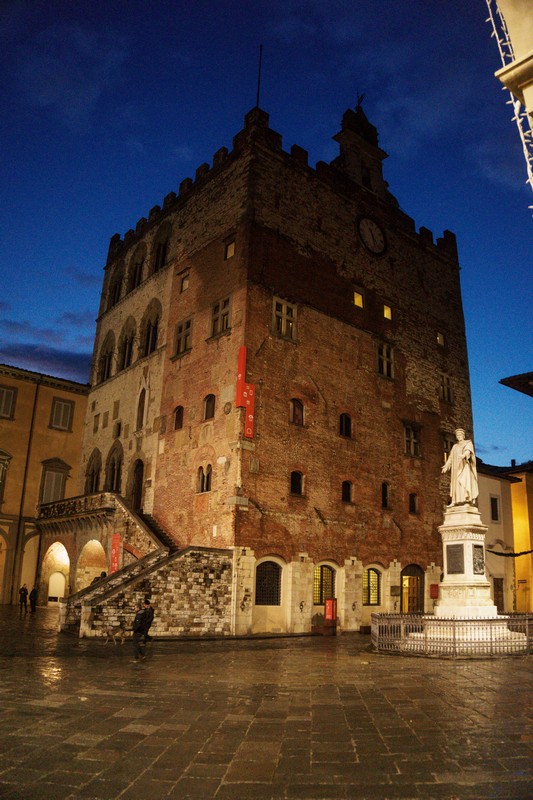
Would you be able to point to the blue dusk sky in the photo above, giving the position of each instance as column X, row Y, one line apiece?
column 108, row 106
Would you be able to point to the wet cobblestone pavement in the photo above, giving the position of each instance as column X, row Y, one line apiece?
column 304, row 718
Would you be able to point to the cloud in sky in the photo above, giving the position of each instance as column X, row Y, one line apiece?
column 26, row 330
column 85, row 279
column 67, row 68
column 48, row 360
column 77, row 319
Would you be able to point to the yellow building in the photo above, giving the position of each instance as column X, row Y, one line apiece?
column 41, row 424
column 522, row 501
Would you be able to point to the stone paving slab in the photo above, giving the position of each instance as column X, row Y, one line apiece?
column 255, row 719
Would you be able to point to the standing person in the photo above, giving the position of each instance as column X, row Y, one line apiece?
column 33, row 599
column 148, row 619
column 23, row 598
column 138, row 633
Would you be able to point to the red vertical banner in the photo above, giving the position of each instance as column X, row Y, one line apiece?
column 249, row 406
column 115, row 553
column 241, row 377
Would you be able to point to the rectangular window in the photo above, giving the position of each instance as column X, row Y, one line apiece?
column 495, row 508
column 412, row 440
column 413, row 503
column 284, row 319
column 445, row 388
column 387, row 311
column 385, row 360
column 229, row 250
column 220, row 317
column 184, row 283
column 183, row 337
column 358, row 299
column 371, row 587
column 53, row 486
column 8, row 396
column 440, row 339
column 96, row 422
column 448, row 443
column 62, row 414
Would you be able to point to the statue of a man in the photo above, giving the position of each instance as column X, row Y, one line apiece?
column 461, row 464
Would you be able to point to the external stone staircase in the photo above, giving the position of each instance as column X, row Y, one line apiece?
column 75, row 609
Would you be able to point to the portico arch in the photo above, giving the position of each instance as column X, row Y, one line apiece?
column 91, row 563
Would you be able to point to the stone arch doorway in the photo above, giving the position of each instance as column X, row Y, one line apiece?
column 412, row 599
column 55, row 572
column 137, row 488
column 91, row 563
column 57, row 586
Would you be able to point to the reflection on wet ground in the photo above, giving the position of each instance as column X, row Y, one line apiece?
column 310, row 717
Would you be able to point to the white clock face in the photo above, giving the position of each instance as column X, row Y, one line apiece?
column 372, row 236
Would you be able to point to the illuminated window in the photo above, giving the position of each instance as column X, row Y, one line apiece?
column 62, row 414
column 323, row 584
column 268, row 584
column 440, row 339
column 371, row 587
column 358, row 299
column 229, row 250
column 387, row 312
column 284, row 319
column 385, row 360
column 184, row 283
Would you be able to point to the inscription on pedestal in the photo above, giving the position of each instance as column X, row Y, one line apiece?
column 479, row 560
column 455, row 559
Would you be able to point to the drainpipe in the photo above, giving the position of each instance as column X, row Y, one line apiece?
column 19, row 543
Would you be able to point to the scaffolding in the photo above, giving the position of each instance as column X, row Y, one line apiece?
column 505, row 47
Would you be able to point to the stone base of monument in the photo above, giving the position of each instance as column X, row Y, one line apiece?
column 465, row 620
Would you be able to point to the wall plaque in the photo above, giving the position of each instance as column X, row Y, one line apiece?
column 455, row 559
column 479, row 559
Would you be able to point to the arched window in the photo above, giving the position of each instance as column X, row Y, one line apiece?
column 150, row 329
column 347, row 496
column 125, row 344
column 297, row 483
column 113, row 478
column 209, row 406
column 160, row 251
column 296, row 411
column 268, row 584
column 323, row 584
column 178, row 418
column 92, row 473
column 140, row 410
column 105, row 362
column 115, row 288
column 345, row 426
column 5, row 458
column 204, row 479
column 136, row 270
column 371, row 587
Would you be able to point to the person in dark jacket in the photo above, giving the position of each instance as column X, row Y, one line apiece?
column 139, row 630
column 23, row 595
column 148, row 619
column 33, row 599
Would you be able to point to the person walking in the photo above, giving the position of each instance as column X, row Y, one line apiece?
column 148, row 619
column 139, row 630
column 33, row 599
column 23, row 598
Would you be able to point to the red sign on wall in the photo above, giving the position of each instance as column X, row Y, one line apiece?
column 115, row 553
column 245, row 395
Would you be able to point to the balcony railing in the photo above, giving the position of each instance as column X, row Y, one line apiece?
column 76, row 506
column 425, row 635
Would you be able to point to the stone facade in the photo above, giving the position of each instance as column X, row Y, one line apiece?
column 350, row 326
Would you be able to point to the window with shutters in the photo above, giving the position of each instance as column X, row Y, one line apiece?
column 8, row 397
column 62, row 414
column 53, row 481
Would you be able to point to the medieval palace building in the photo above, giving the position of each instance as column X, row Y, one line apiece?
column 279, row 366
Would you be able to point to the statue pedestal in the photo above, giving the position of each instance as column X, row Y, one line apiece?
column 464, row 590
